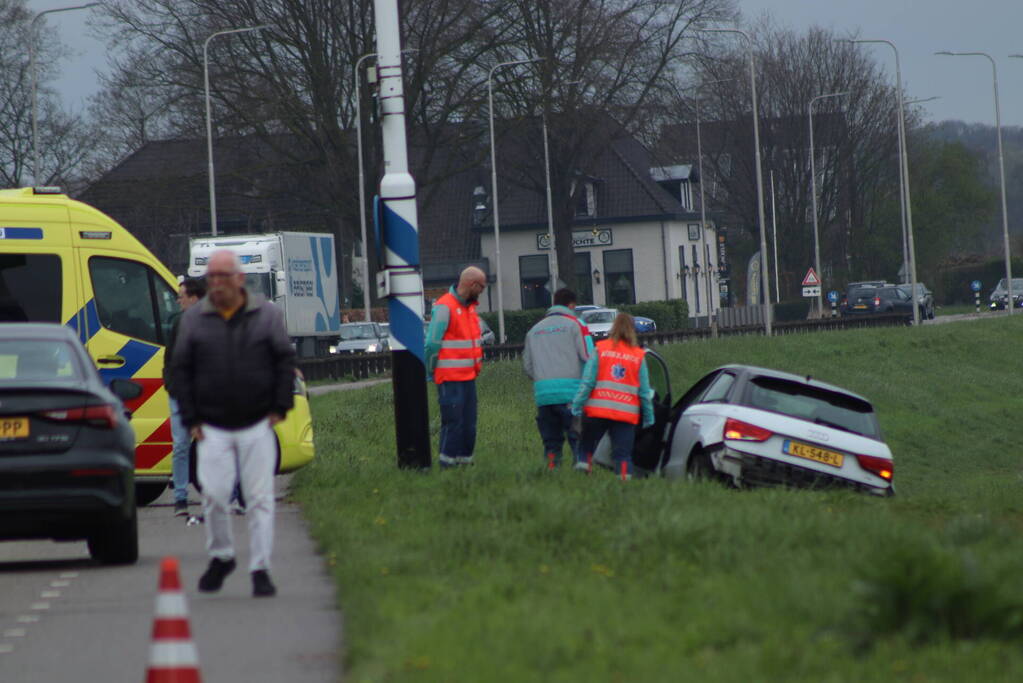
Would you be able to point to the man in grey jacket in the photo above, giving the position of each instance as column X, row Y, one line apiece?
column 234, row 370
column 556, row 350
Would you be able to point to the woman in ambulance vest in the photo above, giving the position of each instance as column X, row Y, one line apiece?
column 613, row 395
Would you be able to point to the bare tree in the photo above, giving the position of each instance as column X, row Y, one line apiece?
column 854, row 140
column 63, row 136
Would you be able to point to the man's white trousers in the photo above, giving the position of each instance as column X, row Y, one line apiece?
column 248, row 455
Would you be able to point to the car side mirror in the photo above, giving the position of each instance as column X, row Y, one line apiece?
column 125, row 389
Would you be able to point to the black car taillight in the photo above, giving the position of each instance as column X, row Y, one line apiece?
column 103, row 416
column 877, row 301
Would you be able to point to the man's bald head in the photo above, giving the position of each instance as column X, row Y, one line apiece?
column 471, row 283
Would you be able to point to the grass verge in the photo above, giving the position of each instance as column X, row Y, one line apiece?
column 503, row 572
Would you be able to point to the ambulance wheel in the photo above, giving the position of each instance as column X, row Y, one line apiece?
column 148, row 492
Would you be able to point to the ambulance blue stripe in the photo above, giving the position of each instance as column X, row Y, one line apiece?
column 135, row 354
column 85, row 321
column 21, row 233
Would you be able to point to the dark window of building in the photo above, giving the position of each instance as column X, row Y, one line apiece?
column 683, row 277
column 533, row 274
column 583, row 278
column 31, row 286
column 696, row 277
column 619, row 279
column 131, row 299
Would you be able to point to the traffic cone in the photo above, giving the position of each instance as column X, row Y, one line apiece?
column 172, row 655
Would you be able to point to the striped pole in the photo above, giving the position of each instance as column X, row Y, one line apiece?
column 399, row 227
column 172, row 654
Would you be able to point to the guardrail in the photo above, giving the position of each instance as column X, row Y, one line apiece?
column 365, row 365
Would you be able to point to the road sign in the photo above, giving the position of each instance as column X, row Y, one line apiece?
column 811, row 280
column 975, row 285
column 833, row 296
column 812, row 291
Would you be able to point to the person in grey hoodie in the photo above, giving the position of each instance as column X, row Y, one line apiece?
column 556, row 350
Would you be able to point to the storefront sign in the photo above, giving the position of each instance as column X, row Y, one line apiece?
column 580, row 238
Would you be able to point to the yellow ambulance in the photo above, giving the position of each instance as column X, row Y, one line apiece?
column 64, row 261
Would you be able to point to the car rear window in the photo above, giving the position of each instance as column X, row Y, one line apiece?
column 37, row 360
column 30, row 288
column 814, row 404
column 857, row 292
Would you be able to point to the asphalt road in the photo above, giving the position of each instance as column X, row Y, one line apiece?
column 64, row 618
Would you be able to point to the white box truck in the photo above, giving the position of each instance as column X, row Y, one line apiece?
column 295, row 270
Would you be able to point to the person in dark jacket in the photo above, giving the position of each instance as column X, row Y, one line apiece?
column 189, row 292
column 233, row 371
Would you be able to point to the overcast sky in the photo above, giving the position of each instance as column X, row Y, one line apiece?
column 917, row 27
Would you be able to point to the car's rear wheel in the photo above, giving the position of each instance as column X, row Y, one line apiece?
column 147, row 493
column 116, row 543
column 699, row 467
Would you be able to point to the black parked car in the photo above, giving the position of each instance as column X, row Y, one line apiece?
column 924, row 296
column 67, row 451
column 886, row 299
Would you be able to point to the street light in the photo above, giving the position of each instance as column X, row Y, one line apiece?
column 209, row 126
column 765, row 283
column 909, row 249
column 1001, row 171
column 550, row 203
column 813, row 195
column 712, row 321
column 35, row 79
column 493, row 179
column 362, row 182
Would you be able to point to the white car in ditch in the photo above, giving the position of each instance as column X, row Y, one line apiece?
column 752, row 426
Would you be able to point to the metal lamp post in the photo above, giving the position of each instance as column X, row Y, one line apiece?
column 35, row 79
column 1001, row 171
column 907, row 206
column 362, row 186
column 765, row 282
column 493, row 179
column 550, row 208
column 813, row 195
column 209, row 125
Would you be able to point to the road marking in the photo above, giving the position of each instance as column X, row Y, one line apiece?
column 14, row 633
column 68, row 575
column 39, row 606
column 28, row 618
column 60, row 584
column 6, row 647
column 50, row 594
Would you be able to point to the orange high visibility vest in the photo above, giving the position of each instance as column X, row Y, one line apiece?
column 461, row 352
column 615, row 396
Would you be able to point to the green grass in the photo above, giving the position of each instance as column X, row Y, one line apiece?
column 502, row 572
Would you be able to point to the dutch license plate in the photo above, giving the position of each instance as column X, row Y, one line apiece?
column 860, row 306
column 803, row 450
column 13, row 428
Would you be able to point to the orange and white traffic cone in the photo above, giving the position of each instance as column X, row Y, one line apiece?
column 172, row 655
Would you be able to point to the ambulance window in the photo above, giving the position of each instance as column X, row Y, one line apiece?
column 30, row 288
column 124, row 297
column 166, row 303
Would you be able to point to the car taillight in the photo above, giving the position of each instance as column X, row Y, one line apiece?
column 102, row 416
column 743, row 431
column 882, row 467
column 877, row 301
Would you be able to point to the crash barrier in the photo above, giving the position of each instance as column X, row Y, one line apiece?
column 740, row 316
column 363, row 366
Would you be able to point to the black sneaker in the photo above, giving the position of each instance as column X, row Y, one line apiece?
column 262, row 586
column 213, row 578
column 181, row 508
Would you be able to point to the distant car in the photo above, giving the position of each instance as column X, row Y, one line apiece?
column 361, row 338
column 872, row 300
column 844, row 301
column 644, row 324
column 599, row 321
column 1000, row 294
column 579, row 310
column 924, row 297
column 67, row 450
column 752, row 427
